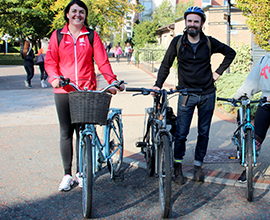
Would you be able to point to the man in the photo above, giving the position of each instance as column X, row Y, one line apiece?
column 194, row 71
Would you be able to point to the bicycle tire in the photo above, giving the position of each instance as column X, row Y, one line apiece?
column 150, row 151
column 87, row 177
column 116, row 140
column 164, row 176
column 249, row 167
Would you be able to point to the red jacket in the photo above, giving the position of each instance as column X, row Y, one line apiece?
column 73, row 59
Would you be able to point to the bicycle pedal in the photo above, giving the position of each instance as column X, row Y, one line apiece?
column 141, row 144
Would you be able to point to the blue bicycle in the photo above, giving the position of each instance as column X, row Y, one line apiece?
column 89, row 109
column 244, row 137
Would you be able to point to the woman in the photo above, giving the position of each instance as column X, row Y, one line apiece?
column 43, row 75
column 117, row 52
column 258, row 81
column 128, row 52
column 73, row 59
column 28, row 63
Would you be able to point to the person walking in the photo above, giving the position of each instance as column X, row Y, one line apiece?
column 258, row 81
column 73, row 59
column 28, row 63
column 128, row 52
column 117, row 53
column 43, row 75
column 194, row 71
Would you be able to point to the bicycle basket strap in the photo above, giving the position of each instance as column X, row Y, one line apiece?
column 89, row 107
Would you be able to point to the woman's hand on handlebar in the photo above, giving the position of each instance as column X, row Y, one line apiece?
column 114, row 90
column 56, row 83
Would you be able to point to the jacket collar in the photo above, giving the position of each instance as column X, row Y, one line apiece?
column 202, row 37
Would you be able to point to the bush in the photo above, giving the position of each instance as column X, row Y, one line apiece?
column 14, row 49
column 11, row 59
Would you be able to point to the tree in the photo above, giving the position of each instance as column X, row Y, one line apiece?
column 107, row 15
column 164, row 14
column 181, row 7
column 28, row 18
column 258, row 19
column 145, row 32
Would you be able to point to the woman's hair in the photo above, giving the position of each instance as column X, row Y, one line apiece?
column 79, row 3
column 25, row 48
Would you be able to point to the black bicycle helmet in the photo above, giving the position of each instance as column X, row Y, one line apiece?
column 195, row 10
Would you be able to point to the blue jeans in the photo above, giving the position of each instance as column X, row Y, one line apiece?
column 205, row 105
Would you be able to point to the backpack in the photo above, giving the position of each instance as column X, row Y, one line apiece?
column 180, row 41
column 90, row 35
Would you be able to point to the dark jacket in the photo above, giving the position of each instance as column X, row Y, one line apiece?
column 194, row 69
column 29, row 59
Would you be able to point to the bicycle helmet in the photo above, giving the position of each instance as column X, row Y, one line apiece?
column 195, row 10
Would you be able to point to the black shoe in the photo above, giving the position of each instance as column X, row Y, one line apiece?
column 179, row 178
column 242, row 178
column 198, row 174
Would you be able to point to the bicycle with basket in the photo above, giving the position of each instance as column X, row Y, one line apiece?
column 244, row 137
column 90, row 108
column 158, row 139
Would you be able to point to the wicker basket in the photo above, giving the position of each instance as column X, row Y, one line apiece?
column 89, row 107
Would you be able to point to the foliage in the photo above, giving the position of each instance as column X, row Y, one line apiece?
column 164, row 14
column 104, row 16
column 181, row 7
column 258, row 17
column 29, row 18
column 145, row 32
column 242, row 60
column 11, row 59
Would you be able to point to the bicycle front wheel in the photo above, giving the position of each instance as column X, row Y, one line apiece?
column 164, row 175
column 249, row 167
column 116, row 143
column 87, row 177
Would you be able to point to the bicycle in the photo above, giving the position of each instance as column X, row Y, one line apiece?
column 92, row 152
column 158, row 141
column 244, row 137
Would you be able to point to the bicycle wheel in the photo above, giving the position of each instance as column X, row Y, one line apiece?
column 87, row 177
column 249, row 167
column 150, row 151
column 116, row 143
column 164, row 175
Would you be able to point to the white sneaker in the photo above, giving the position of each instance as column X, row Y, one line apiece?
column 66, row 183
column 43, row 85
column 79, row 180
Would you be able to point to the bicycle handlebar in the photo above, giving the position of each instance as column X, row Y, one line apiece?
column 66, row 81
column 242, row 101
column 145, row 91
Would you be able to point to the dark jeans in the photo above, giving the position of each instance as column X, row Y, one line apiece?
column 262, row 122
column 43, row 74
column 117, row 58
column 30, row 73
column 205, row 105
column 128, row 57
column 66, row 132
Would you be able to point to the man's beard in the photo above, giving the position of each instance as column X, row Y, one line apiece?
column 193, row 33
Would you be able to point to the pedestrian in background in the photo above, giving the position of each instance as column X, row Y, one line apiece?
column 28, row 63
column 258, row 81
column 117, row 53
column 74, row 61
column 43, row 74
column 194, row 71
column 128, row 52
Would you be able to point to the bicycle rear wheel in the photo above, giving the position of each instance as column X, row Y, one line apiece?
column 164, row 175
column 116, row 143
column 87, row 177
column 249, row 167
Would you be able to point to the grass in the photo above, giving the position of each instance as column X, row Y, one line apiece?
column 11, row 59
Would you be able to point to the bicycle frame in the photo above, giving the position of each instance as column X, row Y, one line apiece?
column 101, row 151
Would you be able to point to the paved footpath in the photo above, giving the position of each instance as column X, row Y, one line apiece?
column 31, row 166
